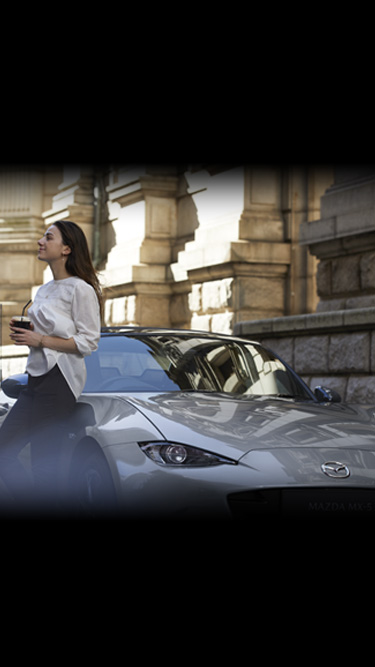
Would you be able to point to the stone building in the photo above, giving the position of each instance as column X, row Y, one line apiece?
column 335, row 346
column 216, row 247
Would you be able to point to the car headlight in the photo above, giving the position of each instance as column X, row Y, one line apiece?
column 175, row 454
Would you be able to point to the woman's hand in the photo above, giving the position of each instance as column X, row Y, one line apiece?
column 24, row 336
column 33, row 339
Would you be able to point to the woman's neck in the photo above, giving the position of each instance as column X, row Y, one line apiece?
column 59, row 271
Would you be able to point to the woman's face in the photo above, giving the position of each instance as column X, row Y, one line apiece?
column 51, row 247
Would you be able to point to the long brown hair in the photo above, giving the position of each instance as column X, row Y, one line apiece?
column 79, row 261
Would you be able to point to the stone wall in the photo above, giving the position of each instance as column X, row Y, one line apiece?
column 335, row 349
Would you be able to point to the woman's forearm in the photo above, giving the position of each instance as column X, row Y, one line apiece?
column 58, row 344
column 34, row 339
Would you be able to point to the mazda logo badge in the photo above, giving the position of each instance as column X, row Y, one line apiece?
column 335, row 469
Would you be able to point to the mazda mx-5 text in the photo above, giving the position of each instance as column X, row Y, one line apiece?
column 186, row 424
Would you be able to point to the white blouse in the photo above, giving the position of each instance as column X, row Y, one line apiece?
column 67, row 308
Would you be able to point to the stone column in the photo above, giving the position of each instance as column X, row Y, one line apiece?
column 238, row 261
column 144, row 213
column 24, row 193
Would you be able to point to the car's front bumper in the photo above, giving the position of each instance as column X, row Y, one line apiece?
column 281, row 482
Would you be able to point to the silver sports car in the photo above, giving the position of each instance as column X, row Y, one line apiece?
column 187, row 424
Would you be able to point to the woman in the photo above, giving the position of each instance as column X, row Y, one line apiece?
column 65, row 327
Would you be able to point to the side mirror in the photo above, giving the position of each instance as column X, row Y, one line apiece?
column 13, row 385
column 326, row 395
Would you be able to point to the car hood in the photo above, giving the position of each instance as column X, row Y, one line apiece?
column 233, row 426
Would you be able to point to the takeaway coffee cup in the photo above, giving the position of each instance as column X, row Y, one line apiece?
column 21, row 321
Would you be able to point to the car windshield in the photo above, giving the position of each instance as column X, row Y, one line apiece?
column 168, row 362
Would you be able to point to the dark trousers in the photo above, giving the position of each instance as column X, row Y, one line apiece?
column 37, row 418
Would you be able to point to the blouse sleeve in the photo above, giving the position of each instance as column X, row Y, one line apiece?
column 86, row 317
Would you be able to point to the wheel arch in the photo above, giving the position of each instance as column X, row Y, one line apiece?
column 85, row 448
